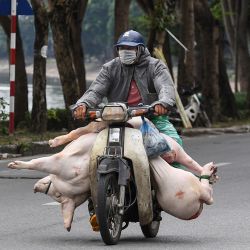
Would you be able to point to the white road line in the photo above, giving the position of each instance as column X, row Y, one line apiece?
column 219, row 164
column 52, row 204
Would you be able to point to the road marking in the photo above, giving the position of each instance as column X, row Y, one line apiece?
column 52, row 204
column 222, row 164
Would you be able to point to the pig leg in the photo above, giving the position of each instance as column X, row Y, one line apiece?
column 53, row 164
column 206, row 190
column 68, row 208
column 176, row 154
column 93, row 127
column 182, row 157
column 42, row 164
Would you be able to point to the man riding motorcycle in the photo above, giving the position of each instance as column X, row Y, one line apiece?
column 133, row 77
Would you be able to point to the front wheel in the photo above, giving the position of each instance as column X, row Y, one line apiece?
column 110, row 221
column 151, row 230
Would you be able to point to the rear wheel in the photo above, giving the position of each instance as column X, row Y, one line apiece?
column 110, row 221
column 202, row 120
column 151, row 230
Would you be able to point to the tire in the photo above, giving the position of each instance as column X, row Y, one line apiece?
column 151, row 230
column 110, row 221
column 203, row 120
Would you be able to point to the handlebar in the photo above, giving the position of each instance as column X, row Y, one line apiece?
column 95, row 113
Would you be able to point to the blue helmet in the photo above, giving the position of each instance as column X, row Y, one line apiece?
column 130, row 38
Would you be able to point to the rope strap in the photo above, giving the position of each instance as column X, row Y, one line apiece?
column 47, row 190
column 207, row 177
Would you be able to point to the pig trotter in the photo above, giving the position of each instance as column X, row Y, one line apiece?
column 17, row 165
column 53, row 143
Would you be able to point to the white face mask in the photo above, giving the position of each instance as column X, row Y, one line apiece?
column 127, row 56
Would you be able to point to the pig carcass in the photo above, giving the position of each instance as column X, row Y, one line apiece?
column 179, row 192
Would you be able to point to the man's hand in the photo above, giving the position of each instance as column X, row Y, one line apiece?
column 160, row 110
column 80, row 112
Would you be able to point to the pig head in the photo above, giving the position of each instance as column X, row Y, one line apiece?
column 68, row 204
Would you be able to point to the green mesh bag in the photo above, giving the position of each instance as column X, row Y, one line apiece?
column 164, row 126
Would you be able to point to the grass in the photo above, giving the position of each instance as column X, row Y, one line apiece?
column 23, row 137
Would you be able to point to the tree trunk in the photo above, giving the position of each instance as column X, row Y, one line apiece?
column 61, row 36
column 76, row 46
column 235, row 14
column 121, row 17
column 167, row 54
column 209, row 31
column 151, row 39
column 186, row 58
column 39, row 108
column 199, row 57
column 148, row 7
column 229, row 23
column 244, row 57
column 227, row 99
column 21, row 84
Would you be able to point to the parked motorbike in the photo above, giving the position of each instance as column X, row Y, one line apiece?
column 120, row 182
column 194, row 109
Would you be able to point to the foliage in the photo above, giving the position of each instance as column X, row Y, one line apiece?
column 57, row 119
column 3, row 115
column 164, row 16
column 241, row 102
column 216, row 10
column 138, row 20
column 98, row 28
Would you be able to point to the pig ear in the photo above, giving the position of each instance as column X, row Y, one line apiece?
column 68, row 208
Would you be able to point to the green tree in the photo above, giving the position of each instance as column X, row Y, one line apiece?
column 98, row 29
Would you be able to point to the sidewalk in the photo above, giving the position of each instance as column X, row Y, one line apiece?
column 10, row 153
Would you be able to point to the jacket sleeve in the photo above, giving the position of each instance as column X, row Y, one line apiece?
column 164, row 85
column 97, row 90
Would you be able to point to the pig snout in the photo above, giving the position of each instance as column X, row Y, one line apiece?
column 42, row 185
column 39, row 188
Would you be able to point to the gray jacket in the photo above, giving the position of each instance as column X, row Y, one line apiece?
column 151, row 75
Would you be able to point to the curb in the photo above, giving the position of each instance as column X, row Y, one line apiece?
column 216, row 131
column 33, row 148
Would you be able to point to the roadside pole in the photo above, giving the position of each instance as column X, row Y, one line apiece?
column 12, row 66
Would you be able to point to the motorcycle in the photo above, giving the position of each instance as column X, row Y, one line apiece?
column 120, row 181
column 194, row 109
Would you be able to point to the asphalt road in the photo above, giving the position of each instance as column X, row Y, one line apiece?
column 33, row 221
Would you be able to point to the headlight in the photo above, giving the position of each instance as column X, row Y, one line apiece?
column 116, row 113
